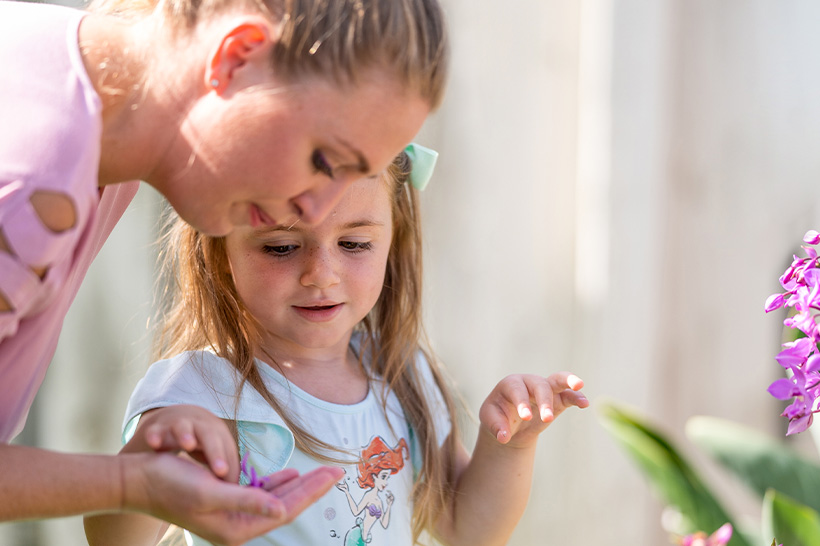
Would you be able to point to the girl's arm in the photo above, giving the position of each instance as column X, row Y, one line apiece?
column 493, row 486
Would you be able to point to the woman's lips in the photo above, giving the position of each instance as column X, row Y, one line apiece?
column 318, row 313
column 259, row 217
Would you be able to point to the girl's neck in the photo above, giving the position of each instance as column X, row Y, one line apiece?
column 335, row 376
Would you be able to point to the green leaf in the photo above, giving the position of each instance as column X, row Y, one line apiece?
column 793, row 523
column 762, row 462
column 673, row 479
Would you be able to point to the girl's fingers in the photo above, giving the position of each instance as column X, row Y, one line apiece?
column 183, row 432
column 497, row 421
column 213, row 449
column 572, row 398
column 516, row 397
column 565, row 380
column 566, row 386
column 542, row 395
column 574, row 382
column 153, row 437
column 515, row 391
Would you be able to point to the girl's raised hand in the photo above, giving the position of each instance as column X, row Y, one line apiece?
column 521, row 407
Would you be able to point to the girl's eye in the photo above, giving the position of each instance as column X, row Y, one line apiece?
column 279, row 250
column 320, row 164
column 353, row 246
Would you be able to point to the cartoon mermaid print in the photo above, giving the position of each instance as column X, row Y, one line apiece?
column 378, row 463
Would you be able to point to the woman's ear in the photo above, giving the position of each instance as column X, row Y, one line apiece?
column 243, row 50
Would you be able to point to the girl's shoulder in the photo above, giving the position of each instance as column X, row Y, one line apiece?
column 199, row 378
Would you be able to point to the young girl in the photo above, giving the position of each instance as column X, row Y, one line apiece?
column 306, row 340
column 241, row 113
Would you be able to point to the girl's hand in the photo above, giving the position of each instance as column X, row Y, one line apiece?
column 507, row 413
column 190, row 429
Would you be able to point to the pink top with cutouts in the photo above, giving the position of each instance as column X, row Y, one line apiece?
column 50, row 129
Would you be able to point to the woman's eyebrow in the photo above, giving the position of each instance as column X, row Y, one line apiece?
column 364, row 165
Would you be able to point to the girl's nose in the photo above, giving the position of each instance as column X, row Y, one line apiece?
column 320, row 270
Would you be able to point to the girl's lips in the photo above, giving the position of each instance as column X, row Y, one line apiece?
column 318, row 313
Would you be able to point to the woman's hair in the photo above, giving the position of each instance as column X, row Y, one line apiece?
column 331, row 38
column 202, row 310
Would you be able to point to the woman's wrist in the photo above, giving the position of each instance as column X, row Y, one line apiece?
column 132, row 477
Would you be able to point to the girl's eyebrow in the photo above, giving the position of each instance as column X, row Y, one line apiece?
column 297, row 228
column 362, row 223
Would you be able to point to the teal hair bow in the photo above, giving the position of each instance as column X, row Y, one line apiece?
column 424, row 161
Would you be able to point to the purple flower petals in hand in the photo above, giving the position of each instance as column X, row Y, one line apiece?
column 254, row 479
column 801, row 282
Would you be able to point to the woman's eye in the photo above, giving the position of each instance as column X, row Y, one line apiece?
column 320, row 164
column 354, row 246
column 279, row 250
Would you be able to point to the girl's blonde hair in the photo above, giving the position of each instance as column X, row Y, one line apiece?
column 331, row 38
column 204, row 310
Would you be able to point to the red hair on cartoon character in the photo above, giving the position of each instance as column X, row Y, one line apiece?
column 377, row 457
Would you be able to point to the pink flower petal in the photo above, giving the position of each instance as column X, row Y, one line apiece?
column 775, row 301
column 799, row 425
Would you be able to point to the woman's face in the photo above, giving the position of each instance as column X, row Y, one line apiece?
column 274, row 153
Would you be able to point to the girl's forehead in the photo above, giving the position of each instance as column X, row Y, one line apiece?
column 367, row 194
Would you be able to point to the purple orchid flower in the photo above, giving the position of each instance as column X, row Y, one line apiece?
column 800, row 358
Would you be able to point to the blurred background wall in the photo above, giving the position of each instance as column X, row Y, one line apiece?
column 620, row 186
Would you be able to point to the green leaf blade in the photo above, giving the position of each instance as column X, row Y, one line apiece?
column 790, row 522
column 758, row 460
column 672, row 477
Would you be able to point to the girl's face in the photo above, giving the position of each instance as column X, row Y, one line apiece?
column 273, row 153
column 308, row 286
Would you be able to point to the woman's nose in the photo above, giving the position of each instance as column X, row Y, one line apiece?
column 314, row 205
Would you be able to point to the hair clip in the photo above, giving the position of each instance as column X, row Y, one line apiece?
column 423, row 161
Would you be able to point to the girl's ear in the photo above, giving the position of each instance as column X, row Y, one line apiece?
column 246, row 45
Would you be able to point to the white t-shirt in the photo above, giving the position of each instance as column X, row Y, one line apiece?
column 371, row 505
